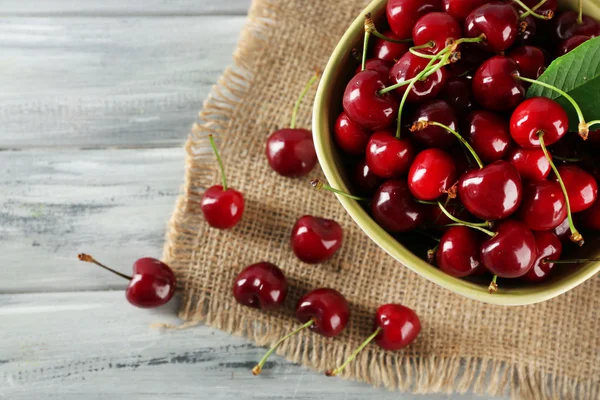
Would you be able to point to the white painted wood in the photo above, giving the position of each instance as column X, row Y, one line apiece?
column 95, row 346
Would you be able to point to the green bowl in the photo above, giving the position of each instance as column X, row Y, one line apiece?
column 326, row 109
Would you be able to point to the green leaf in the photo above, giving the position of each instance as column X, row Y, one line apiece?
column 578, row 74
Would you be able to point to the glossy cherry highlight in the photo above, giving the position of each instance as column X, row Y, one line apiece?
column 261, row 285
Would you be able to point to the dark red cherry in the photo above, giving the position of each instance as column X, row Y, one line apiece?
column 495, row 85
column 471, row 57
column 460, row 9
column 543, row 206
column 489, row 135
column 350, row 136
column 364, row 180
column 458, row 252
column 377, row 65
column 590, row 218
column 291, row 152
column 571, row 44
column 431, row 174
column 261, row 285
column 222, row 209
column 410, row 66
column 566, row 26
column 398, row 325
column 549, row 248
column 511, row 253
column 394, row 208
column 493, row 192
column 528, row 31
column 315, row 240
column 403, row 14
column 581, row 186
column 434, row 136
column 532, row 164
column 364, row 105
column 436, row 27
column 531, row 61
column 538, row 115
column 327, row 308
column 498, row 21
column 386, row 50
column 457, row 93
column 387, row 156
column 563, row 231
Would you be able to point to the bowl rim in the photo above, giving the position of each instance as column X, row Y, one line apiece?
column 324, row 148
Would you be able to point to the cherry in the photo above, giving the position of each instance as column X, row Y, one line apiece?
column 261, row 285
column 396, row 326
column 528, row 32
column 590, row 218
column 531, row 61
column 535, row 116
column 548, row 248
column 324, row 311
column 495, row 84
column 438, row 28
column 375, row 64
column 315, row 240
column 489, row 135
column 531, row 163
column 458, row 252
column 498, row 21
column 435, row 136
column 570, row 23
column 582, row 188
column 153, row 283
column 408, row 67
column 571, row 44
column 460, row 9
column 386, row 50
column 493, row 192
column 364, row 179
column 471, row 57
column 431, row 174
column 387, row 156
column 394, row 208
column 543, row 206
column 350, row 136
column 365, row 105
column 457, row 93
column 563, row 231
column 222, row 206
column 403, row 14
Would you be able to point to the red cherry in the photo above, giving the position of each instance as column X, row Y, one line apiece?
column 571, row 44
column 436, row 27
column 315, row 240
column 394, row 208
column 566, row 26
column 531, row 61
column 471, row 57
column 460, row 9
column 434, row 136
column 458, row 252
column 548, row 248
column 261, row 285
column 291, row 152
column 581, row 186
column 386, row 50
column 403, row 14
column 364, row 179
column 457, row 93
column 222, row 209
column 543, row 206
column 511, row 252
column 590, row 218
column 408, row 67
column 563, row 231
column 528, row 32
column 153, row 283
column 493, row 192
column 489, row 135
column 327, row 308
column 364, row 105
column 538, row 115
column 387, row 156
column 431, row 174
column 532, row 164
column 495, row 86
column 350, row 136
column 498, row 21
column 377, row 65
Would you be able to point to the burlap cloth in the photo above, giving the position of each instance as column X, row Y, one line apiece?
column 548, row 350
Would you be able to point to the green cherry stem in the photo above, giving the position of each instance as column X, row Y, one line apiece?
column 580, row 16
column 493, row 288
column 431, row 254
column 476, row 225
column 408, row 82
column 479, row 228
column 534, row 8
column 427, row 45
column 87, row 258
column 364, row 344
column 370, row 27
column 548, row 15
column 574, row 261
column 318, row 184
column 365, row 50
column 214, row 147
column 594, row 122
column 307, row 87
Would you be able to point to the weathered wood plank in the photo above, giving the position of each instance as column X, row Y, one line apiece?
column 84, row 82
column 94, row 345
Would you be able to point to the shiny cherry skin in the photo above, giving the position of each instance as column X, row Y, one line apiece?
column 388, row 51
column 433, row 136
column 530, row 59
column 489, row 135
column 261, row 285
column 543, row 206
column 364, row 180
column 460, row 9
column 512, row 252
column 532, row 164
column 436, row 27
column 377, row 65
column 327, row 308
column 394, row 208
column 350, row 136
column 152, row 285
column 491, row 193
column 581, row 186
column 549, row 248
column 498, row 21
column 387, row 156
column 457, row 93
column 458, row 252
column 563, row 231
column 403, row 14
column 399, row 326
column 570, row 44
column 431, row 174
column 410, row 66
column 495, row 85
column 537, row 115
column 222, row 209
column 291, row 152
column 590, row 218
column 566, row 26
column 315, row 240
column 365, row 106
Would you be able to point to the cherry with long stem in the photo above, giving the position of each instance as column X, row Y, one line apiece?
column 352, row 356
column 307, row 87
column 89, row 259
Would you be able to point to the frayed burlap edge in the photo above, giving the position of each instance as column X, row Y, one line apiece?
column 397, row 372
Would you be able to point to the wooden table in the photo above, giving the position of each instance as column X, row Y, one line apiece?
column 95, row 95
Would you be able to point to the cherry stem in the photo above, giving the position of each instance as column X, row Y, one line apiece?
column 258, row 368
column 493, row 288
column 575, row 235
column 219, row 161
column 574, row 261
column 371, row 29
column 354, row 354
column 409, row 81
column 580, row 16
column 87, row 258
column 567, row 159
column 307, row 87
column 548, row 15
column 318, row 184
column 594, row 122
column 365, row 50
column 431, row 254
column 475, row 225
column 584, row 128
column 427, row 45
column 534, row 8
